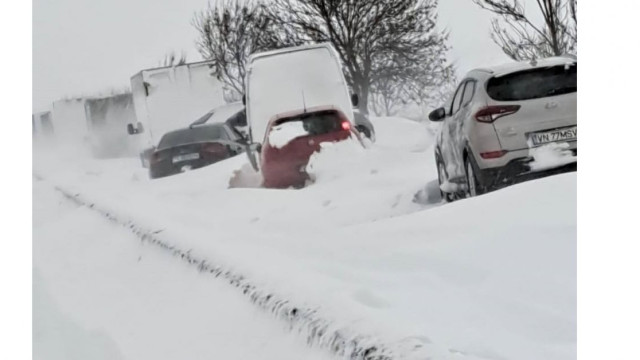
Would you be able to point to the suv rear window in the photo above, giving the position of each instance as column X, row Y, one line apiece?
column 534, row 84
column 317, row 123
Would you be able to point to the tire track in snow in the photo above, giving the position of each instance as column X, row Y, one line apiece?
column 301, row 319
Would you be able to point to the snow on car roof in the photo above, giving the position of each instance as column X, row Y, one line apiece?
column 507, row 68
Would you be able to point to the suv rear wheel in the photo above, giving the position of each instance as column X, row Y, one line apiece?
column 442, row 174
column 473, row 187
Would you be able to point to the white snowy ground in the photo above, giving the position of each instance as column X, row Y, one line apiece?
column 98, row 294
column 492, row 277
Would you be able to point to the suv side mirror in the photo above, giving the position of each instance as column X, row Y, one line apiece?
column 244, row 99
column 354, row 100
column 437, row 114
column 252, row 150
column 130, row 129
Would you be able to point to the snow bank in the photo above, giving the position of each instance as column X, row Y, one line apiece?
column 143, row 304
column 334, row 160
column 56, row 336
column 450, row 187
column 395, row 132
column 490, row 277
column 245, row 177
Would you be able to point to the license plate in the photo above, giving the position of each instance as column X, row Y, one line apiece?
column 185, row 157
column 565, row 134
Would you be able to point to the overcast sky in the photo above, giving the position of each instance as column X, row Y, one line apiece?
column 85, row 47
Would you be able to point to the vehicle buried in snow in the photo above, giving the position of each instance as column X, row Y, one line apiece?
column 293, row 137
column 194, row 147
column 232, row 115
column 296, row 99
column 508, row 124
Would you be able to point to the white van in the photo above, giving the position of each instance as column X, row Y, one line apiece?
column 293, row 78
column 287, row 84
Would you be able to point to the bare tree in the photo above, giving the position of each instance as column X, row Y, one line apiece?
column 228, row 33
column 429, row 88
column 171, row 59
column 522, row 39
column 382, row 44
column 385, row 99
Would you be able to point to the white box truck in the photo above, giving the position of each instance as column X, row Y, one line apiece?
column 107, row 118
column 42, row 124
column 69, row 123
column 169, row 98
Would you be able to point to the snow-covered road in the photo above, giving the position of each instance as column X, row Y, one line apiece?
column 99, row 294
column 486, row 278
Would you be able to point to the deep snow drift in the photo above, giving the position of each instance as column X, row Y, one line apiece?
column 99, row 294
column 491, row 277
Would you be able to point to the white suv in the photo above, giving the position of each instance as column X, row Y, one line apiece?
column 498, row 117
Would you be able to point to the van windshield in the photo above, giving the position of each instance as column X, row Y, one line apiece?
column 535, row 83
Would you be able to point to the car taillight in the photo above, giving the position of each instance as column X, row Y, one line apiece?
column 493, row 154
column 345, row 125
column 490, row 114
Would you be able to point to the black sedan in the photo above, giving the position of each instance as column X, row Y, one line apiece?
column 194, row 147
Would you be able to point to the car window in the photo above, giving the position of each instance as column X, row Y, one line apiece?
column 234, row 134
column 318, row 123
column 455, row 105
column 224, row 135
column 193, row 135
column 237, row 119
column 535, row 83
column 469, row 90
column 204, row 118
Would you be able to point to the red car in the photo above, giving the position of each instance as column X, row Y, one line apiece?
column 283, row 165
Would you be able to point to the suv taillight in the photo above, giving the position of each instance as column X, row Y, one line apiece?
column 493, row 154
column 490, row 114
column 345, row 125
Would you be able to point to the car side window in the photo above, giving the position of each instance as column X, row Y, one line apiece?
column 224, row 135
column 455, row 105
column 231, row 133
column 469, row 90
